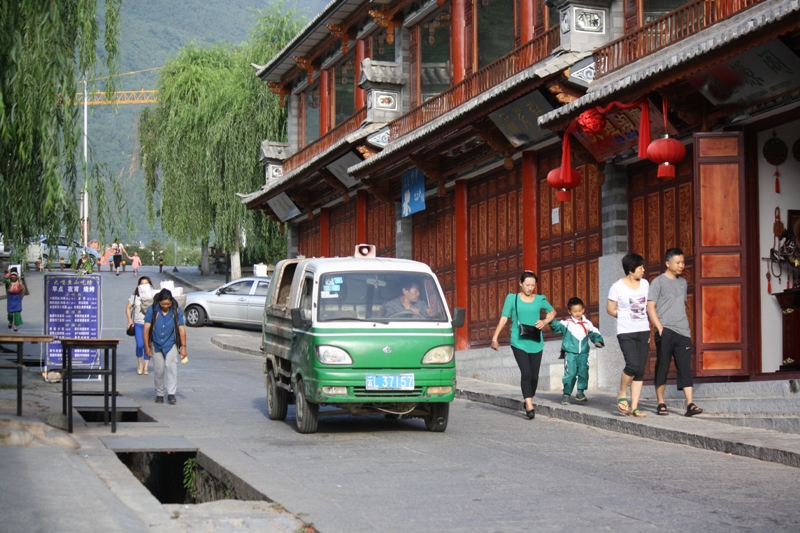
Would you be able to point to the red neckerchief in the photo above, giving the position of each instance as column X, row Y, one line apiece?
column 585, row 331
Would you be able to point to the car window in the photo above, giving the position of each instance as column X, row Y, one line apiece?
column 261, row 288
column 240, row 287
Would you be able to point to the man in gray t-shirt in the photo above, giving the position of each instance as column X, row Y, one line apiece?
column 666, row 307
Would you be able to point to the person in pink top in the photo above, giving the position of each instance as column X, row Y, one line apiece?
column 136, row 262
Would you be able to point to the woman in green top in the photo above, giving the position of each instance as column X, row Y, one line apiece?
column 527, row 352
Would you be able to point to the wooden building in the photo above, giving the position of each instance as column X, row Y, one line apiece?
column 477, row 97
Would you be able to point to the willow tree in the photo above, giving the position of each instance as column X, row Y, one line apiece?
column 46, row 48
column 200, row 143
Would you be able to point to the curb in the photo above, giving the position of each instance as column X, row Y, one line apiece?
column 620, row 425
column 235, row 348
column 182, row 281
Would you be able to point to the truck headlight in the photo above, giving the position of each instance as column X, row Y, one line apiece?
column 331, row 355
column 439, row 356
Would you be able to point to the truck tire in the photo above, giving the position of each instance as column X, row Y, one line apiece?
column 195, row 316
column 437, row 419
column 277, row 398
column 306, row 413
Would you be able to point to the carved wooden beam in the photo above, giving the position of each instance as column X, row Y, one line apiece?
column 385, row 19
column 488, row 133
column 328, row 177
column 340, row 31
column 366, row 151
column 381, row 192
column 563, row 93
column 278, row 89
column 306, row 63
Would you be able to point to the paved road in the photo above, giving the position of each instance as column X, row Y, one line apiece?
column 493, row 470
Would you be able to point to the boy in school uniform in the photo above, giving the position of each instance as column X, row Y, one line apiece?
column 578, row 332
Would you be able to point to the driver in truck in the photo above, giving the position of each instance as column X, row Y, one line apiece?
column 408, row 303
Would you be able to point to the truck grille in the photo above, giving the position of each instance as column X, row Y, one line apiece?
column 362, row 392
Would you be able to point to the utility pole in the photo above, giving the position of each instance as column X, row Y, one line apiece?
column 85, row 191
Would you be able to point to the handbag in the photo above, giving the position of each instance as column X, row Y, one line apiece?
column 131, row 331
column 15, row 288
column 527, row 331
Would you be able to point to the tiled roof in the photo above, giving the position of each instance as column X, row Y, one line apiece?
column 274, row 150
column 381, row 72
column 263, row 192
column 736, row 27
column 541, row 70
column 314, row 33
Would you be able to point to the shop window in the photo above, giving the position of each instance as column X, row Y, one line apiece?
column 380, row 50
column 344, row 81
column 495, row 30
column 434, row 70
column 654, row 9
column 310, row 119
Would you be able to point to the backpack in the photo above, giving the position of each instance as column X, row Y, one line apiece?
column 174, row 310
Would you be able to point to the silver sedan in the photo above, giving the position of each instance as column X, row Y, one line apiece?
column 238, row 302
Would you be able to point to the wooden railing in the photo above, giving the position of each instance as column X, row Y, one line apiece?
column 338, row 133
column 489, row 76
column 664, row 31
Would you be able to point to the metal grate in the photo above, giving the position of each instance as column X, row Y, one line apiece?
column 362, row 392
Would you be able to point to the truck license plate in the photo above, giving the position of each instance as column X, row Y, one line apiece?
column 390, row 381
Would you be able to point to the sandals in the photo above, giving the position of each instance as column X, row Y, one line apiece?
column 692, row 410
column 662, row 409
column 622, row 408
column 638, row 414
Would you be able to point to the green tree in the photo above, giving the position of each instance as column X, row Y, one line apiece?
column 204, row 137
column 46, row 48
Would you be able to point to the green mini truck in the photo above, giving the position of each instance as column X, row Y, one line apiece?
column 366, row 335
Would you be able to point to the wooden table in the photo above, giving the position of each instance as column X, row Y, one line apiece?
column 19, row 340
column 68, row 347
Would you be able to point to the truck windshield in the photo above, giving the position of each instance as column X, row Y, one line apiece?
column 379, row 296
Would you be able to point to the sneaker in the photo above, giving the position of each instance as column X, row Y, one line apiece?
column 159, row 399
column 565, row 399
column 580, row 397
column 171, row 399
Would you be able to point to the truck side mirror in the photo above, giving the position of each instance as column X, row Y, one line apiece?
column 459, row 314
column 299, row 319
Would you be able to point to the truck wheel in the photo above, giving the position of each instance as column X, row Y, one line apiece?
column 277, row 398
column 195, row 316
column 437, row 419
column 306, row 413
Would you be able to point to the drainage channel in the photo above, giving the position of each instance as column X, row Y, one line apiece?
column 174, row 470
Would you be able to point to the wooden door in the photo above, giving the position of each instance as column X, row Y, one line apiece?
column 662, row 217
column 721, row 336
column 381, row 226
column 494, row 250
column 308, row 234
column 342, row 232
column 434, row 241
column 569, row 249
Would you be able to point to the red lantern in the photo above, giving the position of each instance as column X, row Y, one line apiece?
column 554, row 179
column 666, row 152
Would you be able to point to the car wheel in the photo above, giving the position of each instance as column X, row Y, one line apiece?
column 436, row 420
column 93, row 261
column 307, row 413
column 277, row 398
column 195, row 316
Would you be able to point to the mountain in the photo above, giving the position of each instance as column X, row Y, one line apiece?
column 151, row 32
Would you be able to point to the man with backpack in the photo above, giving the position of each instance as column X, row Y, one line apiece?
column 165, row 342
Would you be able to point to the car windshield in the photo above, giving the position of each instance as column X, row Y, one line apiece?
column 379, row 296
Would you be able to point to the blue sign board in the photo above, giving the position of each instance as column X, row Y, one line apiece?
column 413, row 193
column 72, row 311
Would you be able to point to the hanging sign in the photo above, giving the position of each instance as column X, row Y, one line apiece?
column 518, row 120
column 621, row 132
column 339, row 168
column 72, row 311
column 760, row 74
column 283, row 207
column 413, row 191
